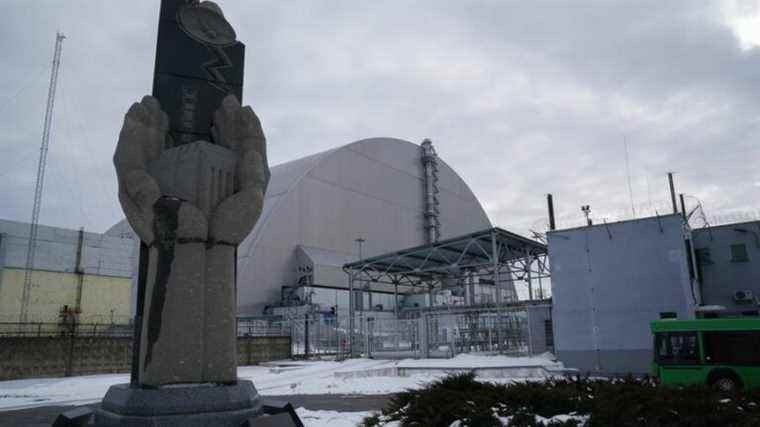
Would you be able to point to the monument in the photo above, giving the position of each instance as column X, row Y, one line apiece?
column 192, row 170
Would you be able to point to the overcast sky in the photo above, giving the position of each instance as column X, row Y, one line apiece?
column 520, row 98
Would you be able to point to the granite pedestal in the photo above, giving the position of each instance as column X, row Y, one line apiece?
column 174, row 406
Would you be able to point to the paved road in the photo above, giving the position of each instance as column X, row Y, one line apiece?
column 44, row 416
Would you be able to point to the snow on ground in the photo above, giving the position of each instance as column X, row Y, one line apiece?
column 318, row 377
column 332, row 418
column 466, row 360
column 283, row 378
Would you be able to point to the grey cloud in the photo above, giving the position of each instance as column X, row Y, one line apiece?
column 521, row 98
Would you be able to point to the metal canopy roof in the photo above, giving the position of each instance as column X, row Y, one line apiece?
column 486, row 249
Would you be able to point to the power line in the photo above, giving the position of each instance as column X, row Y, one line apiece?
column 19, row 162
column 26, row 86
column 81, row 137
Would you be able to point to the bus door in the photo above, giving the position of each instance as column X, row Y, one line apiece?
column 678, row 359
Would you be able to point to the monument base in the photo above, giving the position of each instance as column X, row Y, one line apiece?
column 183, row 405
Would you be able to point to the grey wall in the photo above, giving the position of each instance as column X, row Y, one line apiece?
column 608, row 283
column 55, row 356
column 721, row 276
column 57, row 249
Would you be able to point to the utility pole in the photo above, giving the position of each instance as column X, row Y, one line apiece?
column 352, row 303
column 32, row 245
column 79, row 271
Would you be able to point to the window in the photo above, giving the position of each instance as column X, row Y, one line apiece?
column 732, row 348
column 703, row 256
column 739, row 253
column 676, row 348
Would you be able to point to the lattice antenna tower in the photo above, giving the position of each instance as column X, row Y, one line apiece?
column 32, row 244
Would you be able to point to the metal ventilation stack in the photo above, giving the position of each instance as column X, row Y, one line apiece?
column 430, row 165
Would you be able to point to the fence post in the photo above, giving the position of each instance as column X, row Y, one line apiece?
column 530, row 333
column 422, row 336
column 317, row 336
column 368, row 336
column 306, row 335
column 70, row 353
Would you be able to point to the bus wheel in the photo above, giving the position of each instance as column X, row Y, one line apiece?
column 725, row 381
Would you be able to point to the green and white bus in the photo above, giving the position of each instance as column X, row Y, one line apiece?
column 723, row 353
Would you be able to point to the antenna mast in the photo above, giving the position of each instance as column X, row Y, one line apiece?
column 32, row 245
column 628, row 176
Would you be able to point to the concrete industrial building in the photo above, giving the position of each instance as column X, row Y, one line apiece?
column 610, row 280
column 317, row 206
column 382, row 197
column 75, row 269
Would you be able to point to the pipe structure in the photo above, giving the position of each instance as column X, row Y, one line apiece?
column 430, row 168
column 683, row 209
column 550, row 206
column 672, row 192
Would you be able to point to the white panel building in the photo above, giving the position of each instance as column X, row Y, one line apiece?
column 609, row 281
column 316, row 207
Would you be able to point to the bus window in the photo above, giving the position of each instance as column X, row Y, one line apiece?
column 732, row 348
column 676, row 348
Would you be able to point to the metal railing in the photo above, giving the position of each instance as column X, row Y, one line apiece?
column 262, row 328
column 437, row 335
column 428, row 334
column 49, row 329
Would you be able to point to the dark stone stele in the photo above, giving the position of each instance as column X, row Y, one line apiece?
column 192, row 74
column 198, row 63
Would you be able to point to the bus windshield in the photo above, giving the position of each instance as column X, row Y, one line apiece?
column 677, row 348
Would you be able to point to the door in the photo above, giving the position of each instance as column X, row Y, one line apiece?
column 677, row 355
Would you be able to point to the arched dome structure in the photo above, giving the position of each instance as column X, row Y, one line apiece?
column 371, row 189
column 317, row 206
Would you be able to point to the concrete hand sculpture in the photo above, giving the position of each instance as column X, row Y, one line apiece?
column 191, row 205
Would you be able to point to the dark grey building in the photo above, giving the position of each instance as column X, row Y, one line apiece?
column 610, row 280
column 728, row 260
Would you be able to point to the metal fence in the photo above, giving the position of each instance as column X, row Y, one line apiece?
column 48, row 329
column 426, row 334
column 376, row 334
column 43, row 329
column 262, row 327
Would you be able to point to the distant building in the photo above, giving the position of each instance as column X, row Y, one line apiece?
column 317, row 206
column 610, row 280
column 728, row 261
column 99, row 286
